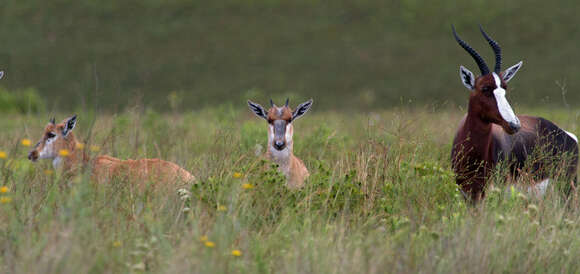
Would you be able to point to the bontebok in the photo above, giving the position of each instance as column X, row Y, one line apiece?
column 491, row 132
column 59, row 144
column 280, row 143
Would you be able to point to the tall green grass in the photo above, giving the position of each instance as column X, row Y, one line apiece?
column 381, row 198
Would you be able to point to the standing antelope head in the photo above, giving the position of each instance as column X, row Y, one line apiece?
column 487, row 99
column 280, row 128
column 55, row 138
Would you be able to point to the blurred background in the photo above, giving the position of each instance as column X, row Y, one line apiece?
column 64, row 55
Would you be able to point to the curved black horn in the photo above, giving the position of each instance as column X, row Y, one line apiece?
column 271, row 103
column 52, row 120
column 496, row 49
column 480, row 62
column 287, row 101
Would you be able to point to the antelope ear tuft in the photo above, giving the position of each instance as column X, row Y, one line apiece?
column 257, row 109
column 301, row 109
column 467, row 78
column 509, row 73
column 69, row 125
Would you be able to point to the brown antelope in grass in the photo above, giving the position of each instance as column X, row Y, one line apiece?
column 58, row 139
column 491, row 132
column 280, row 143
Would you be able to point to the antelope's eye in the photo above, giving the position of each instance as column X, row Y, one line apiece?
column 50, row 135
column 487, row 91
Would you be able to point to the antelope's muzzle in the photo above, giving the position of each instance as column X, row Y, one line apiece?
column 280, row 134
column 33, row 155
column 279, row 145
column 515, row 127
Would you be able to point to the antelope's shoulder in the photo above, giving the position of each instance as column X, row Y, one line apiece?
column 298, row 167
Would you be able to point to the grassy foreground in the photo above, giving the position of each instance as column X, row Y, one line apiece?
column 381, row 198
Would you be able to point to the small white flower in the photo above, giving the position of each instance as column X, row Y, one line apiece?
column 183, row 191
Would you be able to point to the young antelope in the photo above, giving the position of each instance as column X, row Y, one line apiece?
column 280, row 143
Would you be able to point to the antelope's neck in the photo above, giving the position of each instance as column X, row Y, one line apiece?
column 75, row 159
column 281, row 157
column 478, row 136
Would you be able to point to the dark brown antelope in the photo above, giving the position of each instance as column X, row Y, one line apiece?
column 280, row 144
column 59, row 144
column 491, row 132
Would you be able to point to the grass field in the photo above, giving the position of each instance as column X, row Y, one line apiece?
column 381, row 198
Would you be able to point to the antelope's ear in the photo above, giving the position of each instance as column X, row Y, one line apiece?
column 509, row 73
column 467, row 78
column 69, row 125
column 1, row 74
column 301, row 109
column 258, row 110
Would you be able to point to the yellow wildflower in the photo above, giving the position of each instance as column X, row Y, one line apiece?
column 247, row 186
column 48, row 172
column 222, row 208
column 203, row 238
column 80, row 146
column 117, row 244
column 5, row 200
column 237, row 175
column 4, row 189
column 3, row 154
column 63, row 152
column 236, row 253
column 209, row 244
column 26, row 142
column 95, row 148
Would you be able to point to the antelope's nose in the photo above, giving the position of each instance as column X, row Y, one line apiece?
column 515, row 126
column 32, row 155
column 279, row 145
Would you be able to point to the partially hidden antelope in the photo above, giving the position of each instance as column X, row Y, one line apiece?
column 280, row 144
column 490, row 132
column 58, row 143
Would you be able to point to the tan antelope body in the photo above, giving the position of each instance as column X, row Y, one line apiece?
column 280, row 143
column 59, row 144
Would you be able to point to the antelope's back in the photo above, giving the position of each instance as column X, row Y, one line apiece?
column 106, row 168
column 540, row 139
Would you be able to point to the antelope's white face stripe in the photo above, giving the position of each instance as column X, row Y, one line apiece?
column 48, row 151
column 503, row 106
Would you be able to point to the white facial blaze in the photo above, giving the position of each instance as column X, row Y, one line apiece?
column 503, row 106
